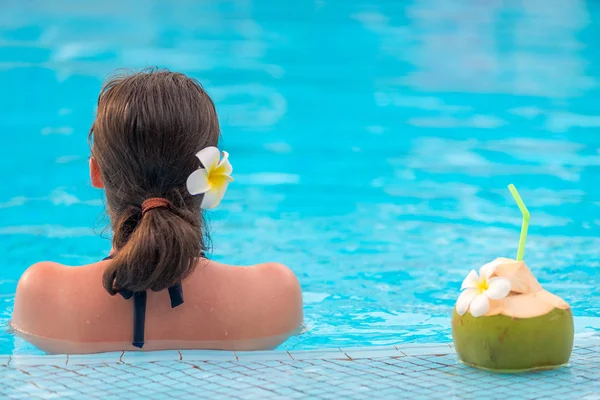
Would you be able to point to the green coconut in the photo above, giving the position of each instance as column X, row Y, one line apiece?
column 503, row 343
column 530, row 329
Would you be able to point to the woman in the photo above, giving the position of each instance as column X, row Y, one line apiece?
column 153, row 147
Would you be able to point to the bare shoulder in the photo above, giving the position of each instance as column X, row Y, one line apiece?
column 280, row 278
column 35, row 298
column 282, row 294
column 281, row 273
column 38, row 277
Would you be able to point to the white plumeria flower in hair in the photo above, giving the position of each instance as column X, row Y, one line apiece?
column 480, row 288
column 213, row 179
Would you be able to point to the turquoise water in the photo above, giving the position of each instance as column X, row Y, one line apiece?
column 372, row 143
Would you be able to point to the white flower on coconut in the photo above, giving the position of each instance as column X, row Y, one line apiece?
column 478, row 289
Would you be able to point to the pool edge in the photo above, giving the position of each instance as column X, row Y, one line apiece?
column 348, row 354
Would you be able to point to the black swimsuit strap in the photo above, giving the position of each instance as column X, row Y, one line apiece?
column 139, row 308
column 176, row 295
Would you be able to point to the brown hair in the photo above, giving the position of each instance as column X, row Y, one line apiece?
column 148, row 128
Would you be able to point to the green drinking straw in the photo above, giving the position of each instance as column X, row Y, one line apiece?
column 525, row 225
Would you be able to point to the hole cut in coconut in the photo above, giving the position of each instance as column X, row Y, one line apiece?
column 527, row 298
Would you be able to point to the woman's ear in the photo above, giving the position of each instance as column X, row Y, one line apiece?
column 95, row 174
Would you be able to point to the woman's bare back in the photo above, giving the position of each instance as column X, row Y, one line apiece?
column 66, row 309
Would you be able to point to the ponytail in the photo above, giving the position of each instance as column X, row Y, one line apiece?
column 155, row 249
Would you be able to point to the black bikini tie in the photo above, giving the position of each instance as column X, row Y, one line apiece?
column 139, row 308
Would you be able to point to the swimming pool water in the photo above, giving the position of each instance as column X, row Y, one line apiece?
column 372, row 143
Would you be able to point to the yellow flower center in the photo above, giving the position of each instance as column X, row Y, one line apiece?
column 216, row 180
column 482, row 285
column 211, row 182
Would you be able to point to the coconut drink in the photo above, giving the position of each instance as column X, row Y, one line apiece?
column 505, row 321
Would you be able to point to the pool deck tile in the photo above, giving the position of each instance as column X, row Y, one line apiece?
column 129, row 357
column 25, row 360
column 336, row 354
column 414, row 371
column 417, row 349
column 85, row 359
column 262, row 356
column 207, row 355
column 356, row 353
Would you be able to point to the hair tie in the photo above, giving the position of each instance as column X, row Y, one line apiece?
column 155, row 202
